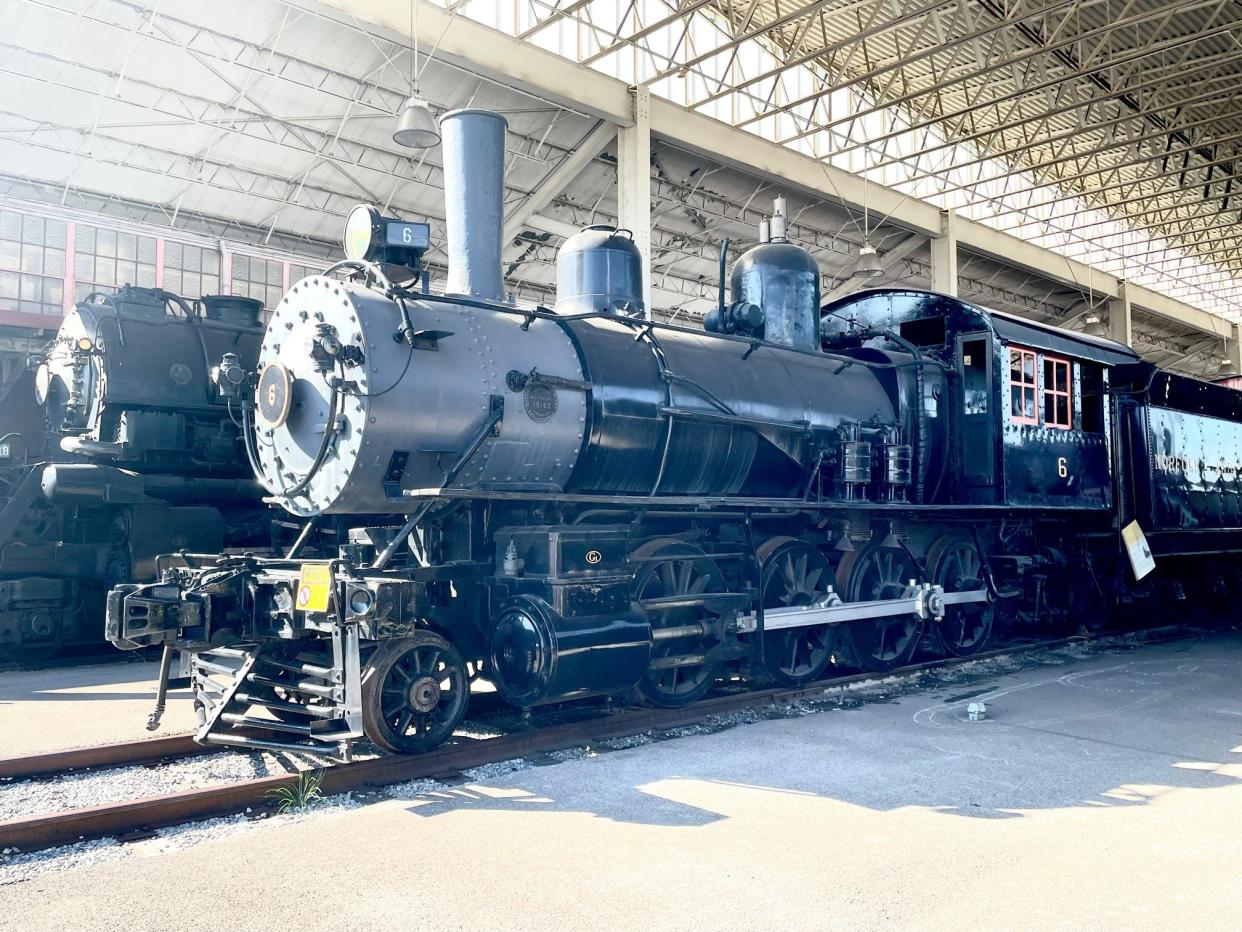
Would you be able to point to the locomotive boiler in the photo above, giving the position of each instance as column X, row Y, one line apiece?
column 117, row 449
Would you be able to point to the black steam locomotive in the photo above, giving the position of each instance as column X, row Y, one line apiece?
column 578, row 501
column 116, row 448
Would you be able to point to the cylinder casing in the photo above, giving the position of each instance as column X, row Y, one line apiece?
column 537, row 656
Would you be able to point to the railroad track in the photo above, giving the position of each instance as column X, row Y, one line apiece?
column 139, row 817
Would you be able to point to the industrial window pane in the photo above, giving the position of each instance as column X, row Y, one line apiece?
column 32, row 288
column 211, row 262
column 275, row 273
column 191, row 258
column 84, row 267
column 32, row 258
column 105, row 243
column 105, row 270
column 54, row 262
column 53, row 293
column 10, row 225
column 172, row 255
column 10, row 255
column 146, row 249
column 126, row 246
column 126, row 272
column 85, row 238
column 190, row 285
column 32, row 229
column 54, row 233
column 8, row 284
column 210, row 284
column 172, row 280
column 146, row 276
column 241, row 268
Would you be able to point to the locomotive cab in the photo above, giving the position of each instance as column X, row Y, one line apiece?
column 1029, row 421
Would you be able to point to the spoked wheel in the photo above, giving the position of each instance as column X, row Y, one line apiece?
column 682, row 569
column 954, row 563
column 414, row 693
column 873, row 573
column 795, row 573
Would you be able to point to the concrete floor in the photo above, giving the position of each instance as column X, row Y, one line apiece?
column 49, row 710
column 1103, row 792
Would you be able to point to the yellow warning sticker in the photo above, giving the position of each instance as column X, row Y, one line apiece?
column 314, row 586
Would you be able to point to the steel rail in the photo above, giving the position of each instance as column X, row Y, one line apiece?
column 120, row 754
column 48, row 830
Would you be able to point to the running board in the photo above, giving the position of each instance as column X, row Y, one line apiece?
column 924, row 601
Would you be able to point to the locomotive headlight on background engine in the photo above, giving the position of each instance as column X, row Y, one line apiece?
column 85, row 344
column 43, row 383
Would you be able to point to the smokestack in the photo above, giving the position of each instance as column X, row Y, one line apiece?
column 474, row 183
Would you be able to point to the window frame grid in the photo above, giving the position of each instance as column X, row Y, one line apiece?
column 1051, row 391
column 1024, row 386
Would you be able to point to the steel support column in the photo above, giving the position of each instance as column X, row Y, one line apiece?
column 634, row 181
column 944, row 255
column 1233, row 351
column 1120, row 316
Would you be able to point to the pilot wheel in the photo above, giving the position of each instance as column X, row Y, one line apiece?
column 415, row 691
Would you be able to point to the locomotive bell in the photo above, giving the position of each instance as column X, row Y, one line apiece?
column 782, row 280
column 599, row 270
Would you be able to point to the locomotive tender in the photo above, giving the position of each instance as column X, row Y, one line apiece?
column 116, row 449
column 578, row 501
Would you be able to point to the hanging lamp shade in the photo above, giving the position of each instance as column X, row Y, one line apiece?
column 868, row 264
column 416, row 127
column 1094, row 326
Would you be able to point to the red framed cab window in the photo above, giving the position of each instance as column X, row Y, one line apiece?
column 1023, row 387
column 1058, row 399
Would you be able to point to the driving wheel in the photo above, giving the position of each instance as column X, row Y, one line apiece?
column 872, row 574
column 670, row 568
column 795, row 573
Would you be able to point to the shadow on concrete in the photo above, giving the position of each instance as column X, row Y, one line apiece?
column 1102, row 733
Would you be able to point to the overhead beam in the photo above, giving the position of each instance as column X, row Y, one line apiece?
column 500, row 57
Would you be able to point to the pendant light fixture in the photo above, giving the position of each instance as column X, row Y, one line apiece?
column 416, row 127
column 867, row 265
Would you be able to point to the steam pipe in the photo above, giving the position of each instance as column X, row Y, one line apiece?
column 724, row 261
